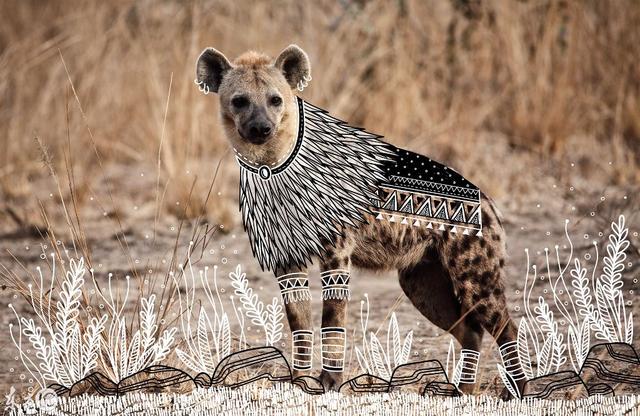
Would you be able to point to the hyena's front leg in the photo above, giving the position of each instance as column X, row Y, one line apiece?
column 333, row 334
column 294, row 287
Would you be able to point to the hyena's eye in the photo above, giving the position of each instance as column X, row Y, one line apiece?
column 275, row 100
column 239, row 102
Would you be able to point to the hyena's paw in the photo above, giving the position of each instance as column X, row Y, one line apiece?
column 467, row 388
column 506, row 394
column 331, row 381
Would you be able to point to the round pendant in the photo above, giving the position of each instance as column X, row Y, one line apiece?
column 264, row 172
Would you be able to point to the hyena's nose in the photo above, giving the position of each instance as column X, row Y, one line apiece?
column 259, row 132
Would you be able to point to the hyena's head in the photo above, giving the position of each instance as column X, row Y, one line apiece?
column 257, row 101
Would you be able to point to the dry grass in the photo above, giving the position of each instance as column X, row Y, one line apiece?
column 468, row 82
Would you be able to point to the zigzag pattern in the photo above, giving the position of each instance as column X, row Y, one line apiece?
column 335, row 284
column 417, row 208
column 437, row 188
column 294, row 287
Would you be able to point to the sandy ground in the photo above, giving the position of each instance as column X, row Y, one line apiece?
column 535, row 226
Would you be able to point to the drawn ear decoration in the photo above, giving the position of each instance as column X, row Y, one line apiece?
column 295, row 66
column 211, row 67
column 304, row 82
column 204, row 88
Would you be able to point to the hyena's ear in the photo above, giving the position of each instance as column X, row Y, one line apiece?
column 210, row 69
column 295, row 66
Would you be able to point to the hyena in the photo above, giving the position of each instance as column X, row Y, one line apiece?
column 300, row 166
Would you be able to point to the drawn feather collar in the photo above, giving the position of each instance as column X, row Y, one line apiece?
column 327, row 183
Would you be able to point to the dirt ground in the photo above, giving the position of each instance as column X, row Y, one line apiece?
column 534, row 225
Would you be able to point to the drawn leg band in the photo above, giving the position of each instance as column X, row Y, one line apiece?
column 302, row 349
column 335, row 284
column 294, row 287
column 469, row 369
column 511, row 361
column 333, row 347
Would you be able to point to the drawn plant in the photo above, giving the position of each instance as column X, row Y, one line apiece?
column 65, row 352
column 269, row 318
column 509, row 381
column 542, row 347
column 123, row 353
column 378, row 358
column 579, row 334
column 70, row 340
column 452, row 367
column 211, row 340
column 609, row 318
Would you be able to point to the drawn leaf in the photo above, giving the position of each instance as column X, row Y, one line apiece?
column 586, row 337
column 362, row 362
column 508, row 381
column 189, row 362
column 225, row 338
column 582, row 292
column 380, row 360
column 68, row 307
column 202, row 336
column 43, row 351
column 133, row 353
column 574, row 349
column 122, row 339
column 394, row 331
column 606, row 329
column 274, row 325
column 406, row 348
column 523, row 348
column 163, row 347
column 621, row 316
column 252, row 306
column 544, row 358
column 457, row 373
column 451, row 360
column 611, row 278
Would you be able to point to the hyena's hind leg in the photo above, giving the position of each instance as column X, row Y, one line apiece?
column 294, row 287
column 477, row 268
column 430, row 290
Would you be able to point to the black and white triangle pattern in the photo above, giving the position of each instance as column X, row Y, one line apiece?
column 419, row 209
column 294, row 287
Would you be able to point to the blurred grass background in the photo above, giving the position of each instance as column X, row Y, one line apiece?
column 507, row 92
